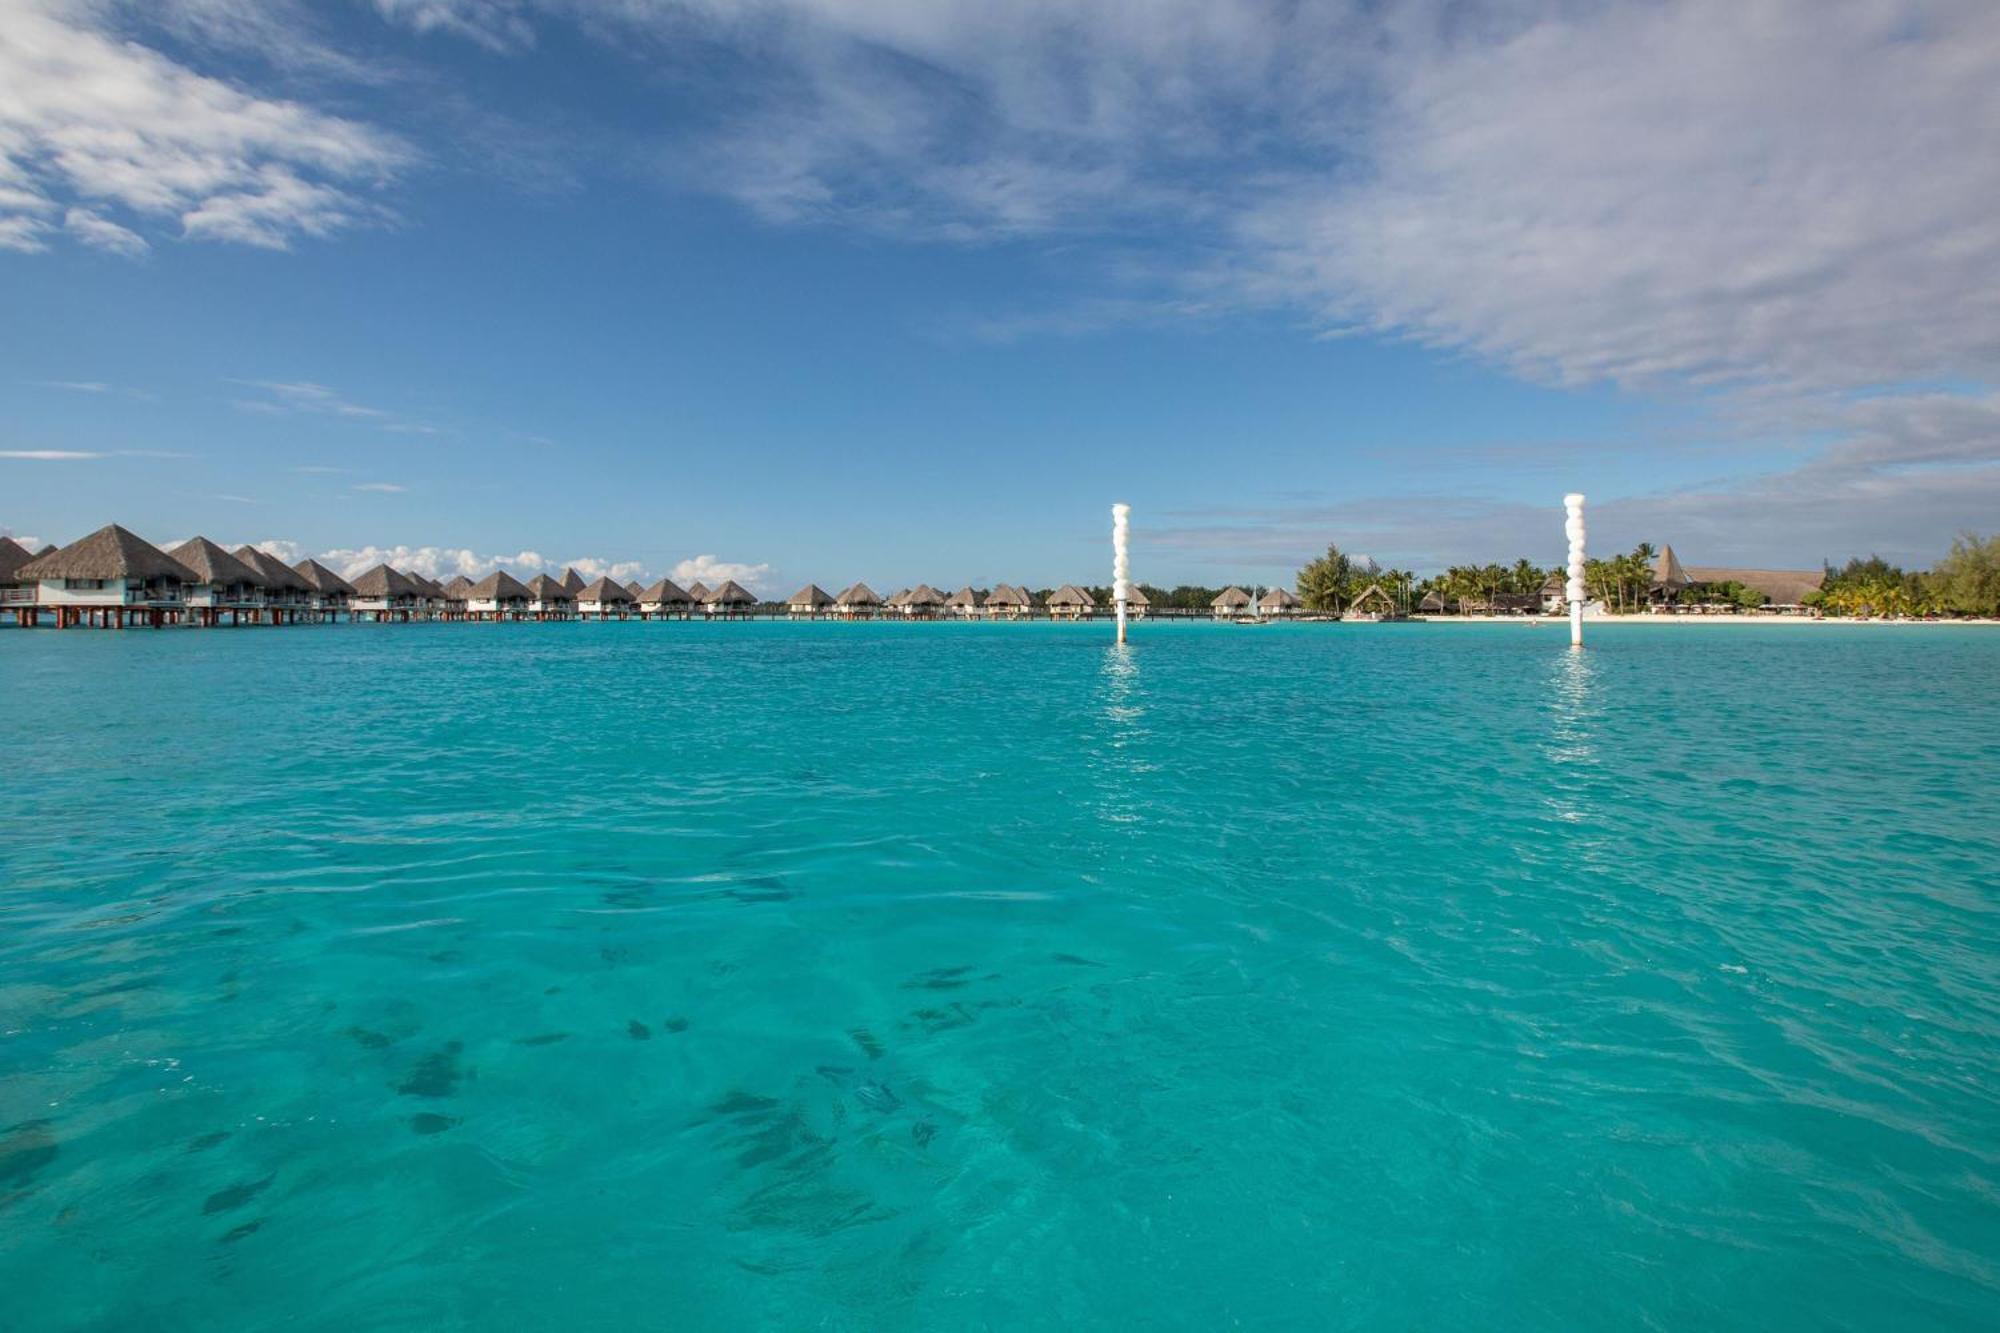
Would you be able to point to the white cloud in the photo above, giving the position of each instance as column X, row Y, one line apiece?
column 50, row 455
column 494, row 24
column 712, row 571
column 89, row 120
column 380, row 487
column 286, row 397
column 77, row 386
column 437, row 562
column 593, row 568
column 94, row 229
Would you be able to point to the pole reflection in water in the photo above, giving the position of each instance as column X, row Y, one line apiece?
column 1118, row 758
column 1575, row 687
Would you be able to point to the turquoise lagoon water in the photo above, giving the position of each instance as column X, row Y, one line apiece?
column 870, row 977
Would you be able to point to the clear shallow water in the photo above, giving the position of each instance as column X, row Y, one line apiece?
column 885, row 977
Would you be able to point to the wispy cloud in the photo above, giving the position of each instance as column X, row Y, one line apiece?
column 96, row 387
column 51, row 455
column 92, row 122
column 304, row 397
column 380, row 487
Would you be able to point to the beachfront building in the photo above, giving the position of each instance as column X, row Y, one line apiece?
column 1008, row 601
column 549, row 598
column 112, row 578
column 1279, row 603
column 498, row 596
column 808, row 603
column 1434, row 604
column 1374, row 603
column 330, row 592
column 858, row 602
column 287, row 596
column 1783, row 590
column 730, row 601
column 16, row 597
column 606, row 599
column 222, row 584
column 665, row 600
column 1229, row 603
column 922, row 602
column 1070, row 602
column 383, row 594
column 963, row 604
column 1555, row 594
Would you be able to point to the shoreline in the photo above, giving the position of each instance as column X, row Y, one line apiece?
column 1562, row 622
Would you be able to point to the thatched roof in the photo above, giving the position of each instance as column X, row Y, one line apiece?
column 499, row 586
column 572, row 580
column 732, row 593
column 666, row 593
column 924, row 595
column 698, row 592
column 383, row 582
column 1373, row 592
column 459, row 587
column 604, row 590
column 12, row 556
column 1433, row 601
column 1009, row 595
column 1784, row 587
column 1278, row 599
column 810, row 595
column 545, row 588
column 1070, row 595
column 321, row 579
column 1230, row 599
column 635, row 588
column 425, row 584
column 274, row 573
column 963, row 597
column 859, row 595
column 1667, row 571
column 1134, row 597
column 108, row 553
column 897, row 598
column 212, row 564
column 1555, row 585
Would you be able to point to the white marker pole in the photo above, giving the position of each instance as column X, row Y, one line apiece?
column 1573, row 591
column 1121, row 588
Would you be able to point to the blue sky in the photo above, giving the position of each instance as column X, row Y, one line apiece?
column 810, row 289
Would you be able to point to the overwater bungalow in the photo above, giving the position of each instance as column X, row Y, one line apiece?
column 634, row 588
column 729, row 601
column 606, row 599
column 572, row 581
column 16, row 596
column 808, row 603
column 498, row 596
column 112, row 578
column 430, row 595
column 698, row 593
column 287, row 596
column 222, row 584
column 1230, row 603
column 1008, row 601
column 1278, row 603
column 1374, row 603
column 549, row 598
column 383, row 594
column 1137, row 604
column 963, row 604
column 665, row 600
column 858, row 602
column 1070, row 602
column 892, row 605
column 331, row 593
column 922, row 602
